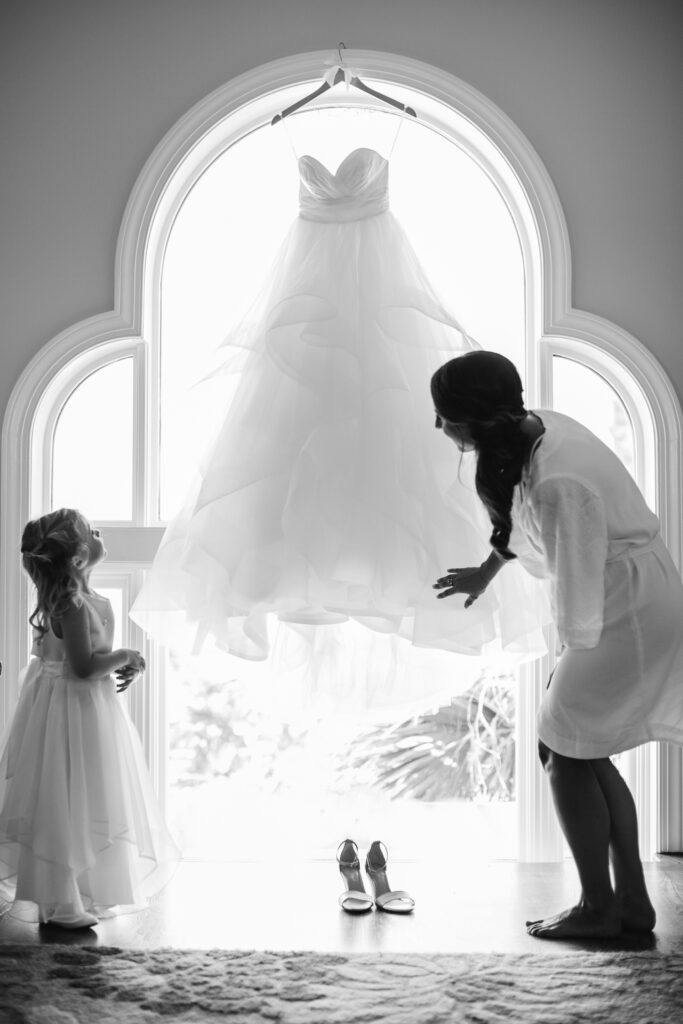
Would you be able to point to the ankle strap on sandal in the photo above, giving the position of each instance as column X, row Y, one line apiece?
column 377, row 845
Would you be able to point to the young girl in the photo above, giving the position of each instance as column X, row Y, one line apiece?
column 563, row 503
column 80, row 830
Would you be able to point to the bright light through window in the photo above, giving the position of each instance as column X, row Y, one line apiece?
column 231, row 225
column 580, row 392
column 92, row 466
column 304, row 781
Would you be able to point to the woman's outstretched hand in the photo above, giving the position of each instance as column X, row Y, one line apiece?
column 472, row 581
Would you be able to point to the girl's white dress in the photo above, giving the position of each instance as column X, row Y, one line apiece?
column 327, row 495
column 581, row 522
column 80, row 827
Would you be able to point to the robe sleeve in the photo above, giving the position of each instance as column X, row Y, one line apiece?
column 573, row 532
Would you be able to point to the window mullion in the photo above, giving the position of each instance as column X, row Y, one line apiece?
column 539, row 836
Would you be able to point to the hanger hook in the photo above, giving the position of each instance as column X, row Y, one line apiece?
column 340, row 46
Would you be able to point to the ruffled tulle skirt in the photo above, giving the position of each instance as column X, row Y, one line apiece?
column 80, row 827
column 326, row 495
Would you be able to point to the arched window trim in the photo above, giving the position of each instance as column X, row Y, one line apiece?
column 243, row 104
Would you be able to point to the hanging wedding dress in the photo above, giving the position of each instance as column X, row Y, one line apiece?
column 327, row 500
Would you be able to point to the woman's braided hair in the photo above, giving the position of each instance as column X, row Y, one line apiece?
column 483, row 391
column 54, row 548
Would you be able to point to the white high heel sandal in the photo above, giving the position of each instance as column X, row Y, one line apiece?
column 393, row 901
column 355, row 900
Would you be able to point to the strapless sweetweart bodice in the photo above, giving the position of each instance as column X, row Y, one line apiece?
column 358, row 189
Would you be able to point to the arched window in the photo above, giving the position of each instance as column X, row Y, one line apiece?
column 102, row 393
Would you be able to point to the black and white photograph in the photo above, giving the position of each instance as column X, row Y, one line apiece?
column 341, row 511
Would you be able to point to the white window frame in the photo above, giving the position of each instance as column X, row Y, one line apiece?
column 462, row 114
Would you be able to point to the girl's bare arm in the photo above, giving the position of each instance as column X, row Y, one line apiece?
column 86, row 663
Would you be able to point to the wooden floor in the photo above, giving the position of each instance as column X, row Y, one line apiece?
column 468, row 908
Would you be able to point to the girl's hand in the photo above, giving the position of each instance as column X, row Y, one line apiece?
column 134, row 660
column 135, row 665
column 130, row 671
column 472, row 581
column 125, row 676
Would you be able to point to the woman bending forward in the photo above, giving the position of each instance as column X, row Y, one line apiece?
column 563, row 504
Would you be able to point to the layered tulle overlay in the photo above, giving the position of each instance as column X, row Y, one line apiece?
column 327, row 501
column 80, row 828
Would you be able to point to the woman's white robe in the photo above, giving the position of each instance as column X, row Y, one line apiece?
column 580, row 521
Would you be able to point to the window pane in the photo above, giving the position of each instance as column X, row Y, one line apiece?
column 92, row 467
column 299, row 780
column 580, row 392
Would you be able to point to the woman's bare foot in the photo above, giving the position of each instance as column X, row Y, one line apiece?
column 579, row 922
column 637, row 913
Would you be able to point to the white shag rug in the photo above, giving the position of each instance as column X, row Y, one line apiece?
column 107, row 985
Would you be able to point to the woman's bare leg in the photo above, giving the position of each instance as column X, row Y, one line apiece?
column 584, row 815
column 637, row 912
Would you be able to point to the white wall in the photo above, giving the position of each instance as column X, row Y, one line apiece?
column 89, row 87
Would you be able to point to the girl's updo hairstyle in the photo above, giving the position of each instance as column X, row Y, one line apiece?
column 54, row 549
column 483, row 392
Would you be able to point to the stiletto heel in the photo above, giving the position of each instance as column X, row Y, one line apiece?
column 395, row 901
column 355, row 900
